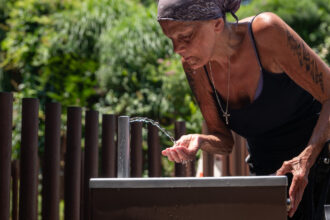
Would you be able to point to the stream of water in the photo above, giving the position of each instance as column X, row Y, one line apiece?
column 155, row 123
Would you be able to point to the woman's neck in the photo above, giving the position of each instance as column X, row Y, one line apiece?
column 227, row 43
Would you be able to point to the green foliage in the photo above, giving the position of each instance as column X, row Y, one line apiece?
column 324, row 50
column 26, row 44
column 128, row 57
column 4, row 9
column 78, row 30
column 56, row 48
column 142, row 77
column 177, row 101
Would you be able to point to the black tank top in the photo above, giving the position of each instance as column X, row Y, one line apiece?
column 278, row 123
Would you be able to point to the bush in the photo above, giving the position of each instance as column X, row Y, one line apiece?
column 128, row 64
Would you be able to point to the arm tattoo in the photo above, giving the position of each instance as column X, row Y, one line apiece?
column 305, row 59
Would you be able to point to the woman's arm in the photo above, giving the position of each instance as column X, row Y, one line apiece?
column 219, row 140
column 301, row 63
column 300, row 165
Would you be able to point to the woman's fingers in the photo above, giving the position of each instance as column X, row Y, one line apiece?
column 296, row 166
column 296, row 196
column 292, row 195
column 170, row 157
column 178, row 154
column 183, row 150
column 293, row 208
column 175, row 155
column 285, row 168
column 167, row 153
column 183, row 155
column 296, row 191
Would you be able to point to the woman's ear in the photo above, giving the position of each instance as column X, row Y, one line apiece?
column 219, row 25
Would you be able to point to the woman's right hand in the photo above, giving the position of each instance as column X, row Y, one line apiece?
column 185, row 149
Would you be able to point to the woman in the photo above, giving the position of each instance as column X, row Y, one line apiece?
column 260, row 79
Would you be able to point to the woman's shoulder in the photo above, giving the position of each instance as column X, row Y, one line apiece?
column 268, row 30
column 266, row 24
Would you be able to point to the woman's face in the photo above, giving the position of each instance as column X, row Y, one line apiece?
column 193, row 41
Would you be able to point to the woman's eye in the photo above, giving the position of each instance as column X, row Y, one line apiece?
column 186, row 37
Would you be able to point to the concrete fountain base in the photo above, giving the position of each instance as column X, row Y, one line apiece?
column 228, row 198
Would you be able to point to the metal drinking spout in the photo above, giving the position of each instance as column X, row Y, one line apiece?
column 123, row 147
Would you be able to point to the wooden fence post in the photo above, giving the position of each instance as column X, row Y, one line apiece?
column 51, row 163
column 73, row 165
column 208, row 159
column 82, row 184
column 109, row 153
column 29, row 160
column 6, row 118
column 187, row 169
column 91, row 156
column 154, row 154
column 237, row 164
column 136, row 149
column 15, row 177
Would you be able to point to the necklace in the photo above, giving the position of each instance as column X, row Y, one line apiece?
column 224, row 113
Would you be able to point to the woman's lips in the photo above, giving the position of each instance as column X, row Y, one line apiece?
column 190, row 60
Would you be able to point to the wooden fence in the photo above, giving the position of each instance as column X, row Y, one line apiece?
column 21, row 178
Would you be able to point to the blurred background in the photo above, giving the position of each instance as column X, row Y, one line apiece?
column 111, row 56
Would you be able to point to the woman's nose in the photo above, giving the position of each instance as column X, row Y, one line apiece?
column 178, row 48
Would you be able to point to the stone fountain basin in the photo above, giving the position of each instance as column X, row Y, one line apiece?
column 236, row 198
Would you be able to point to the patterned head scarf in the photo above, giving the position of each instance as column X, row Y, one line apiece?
column 196, row 10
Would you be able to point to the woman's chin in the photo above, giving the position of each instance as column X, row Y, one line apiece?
column 195, row 64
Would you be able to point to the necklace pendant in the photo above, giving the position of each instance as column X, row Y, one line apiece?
column 226, row 115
